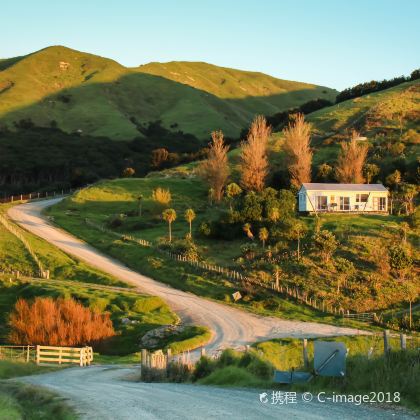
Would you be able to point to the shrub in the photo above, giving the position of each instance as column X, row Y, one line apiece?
column 116, row 220
column 228, row 357
column 61, row 322
column 204, row 229
column 204, row 367
column 162, row 196
column 179, row 372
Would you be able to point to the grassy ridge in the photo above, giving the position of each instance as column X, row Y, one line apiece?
column 99, row 96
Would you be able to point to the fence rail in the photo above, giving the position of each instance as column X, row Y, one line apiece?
column 294, row 292
column 83, row 356
column 17, row 353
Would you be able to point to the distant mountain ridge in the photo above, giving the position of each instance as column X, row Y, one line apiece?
column 72, row 90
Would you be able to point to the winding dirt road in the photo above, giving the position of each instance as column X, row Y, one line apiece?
column 104, row 393
column 232, row 327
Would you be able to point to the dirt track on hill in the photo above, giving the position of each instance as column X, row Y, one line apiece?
column 232, row 327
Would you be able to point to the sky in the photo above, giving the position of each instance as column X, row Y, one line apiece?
column 331, row 43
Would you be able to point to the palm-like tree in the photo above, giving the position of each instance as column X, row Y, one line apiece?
column 247, row 230
column 263, row 235
column 170, row 216
column 274, row 214
column 189, row 217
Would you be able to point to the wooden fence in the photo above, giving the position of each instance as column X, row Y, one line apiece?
column 83, row 356
column 294, row 292
column 17, row 353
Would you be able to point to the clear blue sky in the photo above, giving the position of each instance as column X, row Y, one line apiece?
column 332, row 43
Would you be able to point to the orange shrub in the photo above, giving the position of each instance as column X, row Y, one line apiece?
column 61, row 322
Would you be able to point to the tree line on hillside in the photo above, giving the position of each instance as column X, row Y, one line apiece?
column 44, row 158
column 374, row 86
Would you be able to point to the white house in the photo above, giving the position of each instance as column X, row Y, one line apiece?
column 319, row 197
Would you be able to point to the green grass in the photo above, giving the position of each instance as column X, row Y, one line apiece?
column 233, row 376
column 99, row 202
column 191, row 338
column 10, row 369
column 14, row 256
column 199, row 97
column 27, row 402
column 20, row 401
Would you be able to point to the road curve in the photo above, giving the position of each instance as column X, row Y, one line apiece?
column 103, row 392
column 232, row 327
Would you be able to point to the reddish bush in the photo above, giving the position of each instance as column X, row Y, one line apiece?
column 61, row 322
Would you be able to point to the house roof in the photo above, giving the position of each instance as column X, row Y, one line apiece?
column 343, row 187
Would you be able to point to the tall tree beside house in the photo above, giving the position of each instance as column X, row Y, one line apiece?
column 351, row 160
column 370, row 170
column 254, row 160
column 215, row 169
column 169, row 215
column 297, row 139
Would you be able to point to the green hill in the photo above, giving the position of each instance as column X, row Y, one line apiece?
column 79, row 91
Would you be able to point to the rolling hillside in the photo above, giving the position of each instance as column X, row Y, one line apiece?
column 78, row 91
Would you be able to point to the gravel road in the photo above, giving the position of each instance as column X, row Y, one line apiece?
column 104, row 393
column 232, row 327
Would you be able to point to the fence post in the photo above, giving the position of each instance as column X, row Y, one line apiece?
column 305, row 353
column 37, row 355
column 27, row 354
column 403, row 341
column 202, row 352
column 387, row 346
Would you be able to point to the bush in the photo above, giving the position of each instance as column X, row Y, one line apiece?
column 61, row 322
column 162, row 196
column 204, row 367
column 116, row 220
column 228, row 357
column 204, row 229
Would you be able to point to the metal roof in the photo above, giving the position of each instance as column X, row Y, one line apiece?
column 343, row 187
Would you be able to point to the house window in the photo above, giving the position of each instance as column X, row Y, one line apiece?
column 344, row 203
column 321, row 202
column 362, row 198
column 382, row 204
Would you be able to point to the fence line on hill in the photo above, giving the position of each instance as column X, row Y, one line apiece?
column 14, row 230
column 293, row 292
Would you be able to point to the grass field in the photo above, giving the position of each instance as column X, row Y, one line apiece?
column 26, row 402
column 103, row 200
column 99, row 96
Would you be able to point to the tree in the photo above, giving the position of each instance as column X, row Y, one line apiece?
column 128, row 172
column 140, row 203
column 370, row 170
column 247, row 230
column 253, row 159
column 411, row 294
column 298, row 151
column 404, row 228
column 345, row 269
column 326, row 243
column 159, row 156
column 170, row 216
column 60, row 322
column 325, row 172
column 232, row 191
column 408, row 193
column 297, row 231
column 215, row 169
column 400, row 260
column 351, row 161
column 274, row 214
column 393, row 181
column 263, row 235
column 189, row 217
column 162, row 196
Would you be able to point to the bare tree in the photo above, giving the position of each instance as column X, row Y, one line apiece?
column 215, row 169
column 254, row 161
column 351, row 161
column 297, row 139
